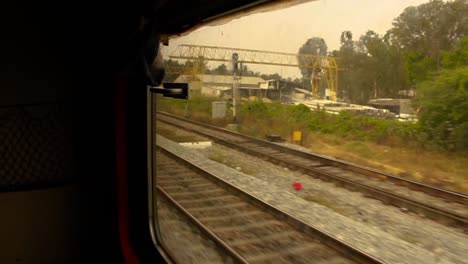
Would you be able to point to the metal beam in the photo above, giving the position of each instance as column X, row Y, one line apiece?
column 252, row 56
column 274, row 58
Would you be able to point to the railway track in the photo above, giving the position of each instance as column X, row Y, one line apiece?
column 247, row 229
column 438, row 204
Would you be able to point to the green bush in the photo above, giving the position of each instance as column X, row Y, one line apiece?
column 258, row 118
column 444, row 109
column 285, row 118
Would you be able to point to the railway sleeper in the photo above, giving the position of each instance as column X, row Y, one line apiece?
column 293, row 253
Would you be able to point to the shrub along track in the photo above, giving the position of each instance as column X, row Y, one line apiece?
column 440, row 205
column 244, row 227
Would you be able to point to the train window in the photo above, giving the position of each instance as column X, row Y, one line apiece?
column 326, row 132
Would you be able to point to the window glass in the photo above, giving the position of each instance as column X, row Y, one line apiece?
column 369, row 92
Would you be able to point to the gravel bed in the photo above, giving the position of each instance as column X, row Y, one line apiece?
column 392, row 187
column 400, row 190
column 383, row 231
column 184, row 239
column 403, row 191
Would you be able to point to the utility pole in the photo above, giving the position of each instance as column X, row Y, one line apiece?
column 235, row 58
column 281, row 76
column 279, row 88
column 234, row 95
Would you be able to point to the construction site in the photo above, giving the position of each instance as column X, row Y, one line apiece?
column 321, row 93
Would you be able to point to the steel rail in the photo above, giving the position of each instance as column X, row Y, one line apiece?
column 297, row 224
column 439, row 214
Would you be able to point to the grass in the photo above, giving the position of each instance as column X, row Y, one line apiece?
column 325, row 202
column 169, row 134
column 320, row 200
column 442, row 169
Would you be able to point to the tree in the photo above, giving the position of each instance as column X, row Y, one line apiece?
column 385, row 64
column 374, row 67
column 457, row 57
column 346, row 58
column 274, row 76
column 443, row 101
column 443, row 104
column 418, row 66
column 221, row 70
column 245, row 71
column 170, row 76
column 346, row 40
column 424, row 31
column 313, row 46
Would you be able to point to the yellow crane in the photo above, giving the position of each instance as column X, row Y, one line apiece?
column 321, row 66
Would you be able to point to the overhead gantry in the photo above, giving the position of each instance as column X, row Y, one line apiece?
column 321, row 66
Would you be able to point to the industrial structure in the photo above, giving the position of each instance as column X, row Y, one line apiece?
column 397, row 106
column 220, row 85
column 321, row 66
column 248, row 86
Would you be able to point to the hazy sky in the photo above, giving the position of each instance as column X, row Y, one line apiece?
column 286, row 30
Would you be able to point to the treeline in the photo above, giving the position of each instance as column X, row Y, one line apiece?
column 371, row 67
column 396, row 62
column 425, row 52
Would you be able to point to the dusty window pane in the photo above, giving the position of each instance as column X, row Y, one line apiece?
column 373, row 94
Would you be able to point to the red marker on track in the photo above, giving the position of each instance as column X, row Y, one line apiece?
column 297, row 186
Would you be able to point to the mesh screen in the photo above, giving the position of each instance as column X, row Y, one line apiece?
column 33, row 147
